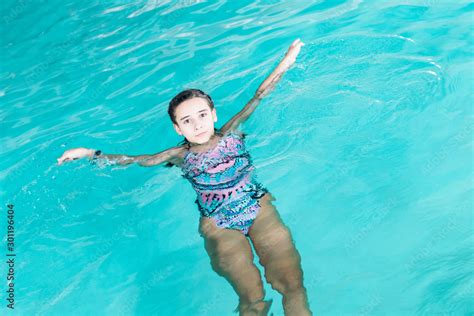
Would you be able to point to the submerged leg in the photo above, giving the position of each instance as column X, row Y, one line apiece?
column 277, row 253
column 232, row 258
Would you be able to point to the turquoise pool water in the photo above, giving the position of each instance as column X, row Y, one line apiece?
column 366, row 144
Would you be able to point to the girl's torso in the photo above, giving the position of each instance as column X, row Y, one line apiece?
column 221, row 174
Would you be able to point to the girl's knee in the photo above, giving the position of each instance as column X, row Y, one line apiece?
column 293, row 284
column 286, row 282
column 284, row 272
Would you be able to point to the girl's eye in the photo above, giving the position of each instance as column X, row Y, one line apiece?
column 203, row 114
column 186, row 121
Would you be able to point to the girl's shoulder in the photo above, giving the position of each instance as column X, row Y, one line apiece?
column 178, row 155
column 233, row 133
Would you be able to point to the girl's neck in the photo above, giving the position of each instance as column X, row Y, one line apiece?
column 211, row 143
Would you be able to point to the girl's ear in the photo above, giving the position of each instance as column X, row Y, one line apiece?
column 177, row 129
column 214, row 114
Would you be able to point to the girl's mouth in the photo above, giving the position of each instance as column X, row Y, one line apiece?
column 200, row 135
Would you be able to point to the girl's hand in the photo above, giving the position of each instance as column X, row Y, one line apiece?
column 291, row 54
column 76, row 153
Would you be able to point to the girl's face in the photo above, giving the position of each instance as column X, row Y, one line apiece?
column 195, row 120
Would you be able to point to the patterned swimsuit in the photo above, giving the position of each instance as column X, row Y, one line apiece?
column 224, row 180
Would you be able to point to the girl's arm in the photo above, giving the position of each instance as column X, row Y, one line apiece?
column 168, row 155
column 267, row 85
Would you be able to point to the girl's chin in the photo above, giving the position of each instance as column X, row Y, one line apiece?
column 201, row 140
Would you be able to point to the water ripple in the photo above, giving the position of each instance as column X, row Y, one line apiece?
column 370, row 113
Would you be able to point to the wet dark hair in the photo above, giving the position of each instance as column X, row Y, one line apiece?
column 186, row 95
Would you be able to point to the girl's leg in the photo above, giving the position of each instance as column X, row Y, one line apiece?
column 232, row 258
column 274, row 246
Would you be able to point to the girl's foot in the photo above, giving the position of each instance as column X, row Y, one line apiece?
column 258, row 308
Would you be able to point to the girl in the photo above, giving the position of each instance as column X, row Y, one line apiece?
column 232, row 203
